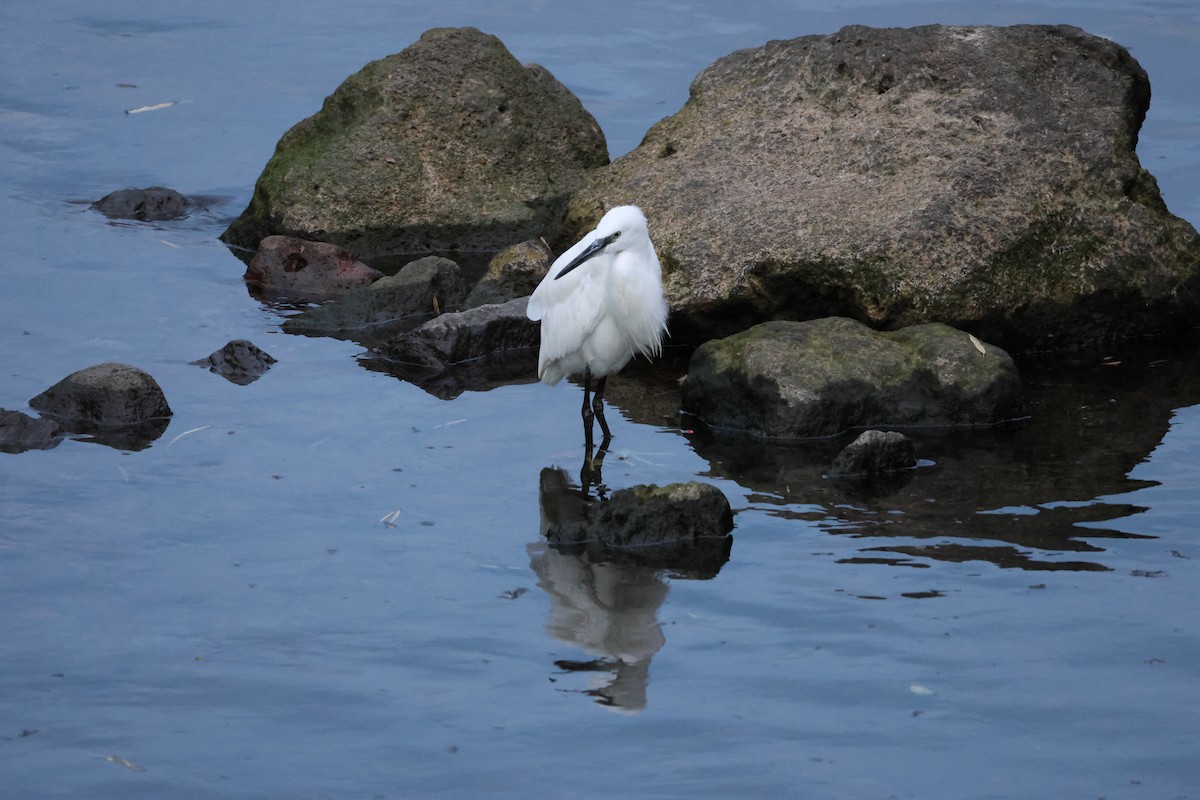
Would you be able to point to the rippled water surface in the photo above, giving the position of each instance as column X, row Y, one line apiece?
column 332, row 583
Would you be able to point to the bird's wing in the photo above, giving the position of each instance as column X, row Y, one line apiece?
column 549, row 291
column 638, row 303
column 570, row 310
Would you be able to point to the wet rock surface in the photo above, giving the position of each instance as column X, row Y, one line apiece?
column 425, row 286
column 115, row 404
column 240, row 361
column 450, row 144
column 473, row 350
column 465, row 336
column 985, row 177
column 149, row 204
column 680, row 526
column 303, row 267
column 108, row 395
column 873, row 453
column 794, row 380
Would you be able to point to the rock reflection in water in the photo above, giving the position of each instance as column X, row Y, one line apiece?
column 1032, row 494
column 609, row 610
column 605, row 597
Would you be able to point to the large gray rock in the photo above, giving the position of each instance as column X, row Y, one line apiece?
column 794, row 380
column 450, row 144
column 979, row 176
column 425, row 286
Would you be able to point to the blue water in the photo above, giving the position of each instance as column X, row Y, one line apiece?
column 224, row 615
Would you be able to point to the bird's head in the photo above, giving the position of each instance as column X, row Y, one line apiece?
column 621, row 228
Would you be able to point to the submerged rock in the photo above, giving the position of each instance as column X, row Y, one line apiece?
column 20, row 432
column 451, row 144
column 149, row 204
column 241, row 362
column 817, row 378
column 874, row 452
column 980, row 176
column 309, row 268
column 425, row 286
column 513, row 272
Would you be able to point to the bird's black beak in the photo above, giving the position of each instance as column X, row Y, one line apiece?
column 592, row 249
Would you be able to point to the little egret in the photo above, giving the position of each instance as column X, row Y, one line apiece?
column 601, row 302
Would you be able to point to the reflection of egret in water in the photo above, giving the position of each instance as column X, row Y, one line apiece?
column 609, row 610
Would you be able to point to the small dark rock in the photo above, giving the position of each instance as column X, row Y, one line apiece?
column 874, row 452
column 681, row 526
column 20, row 432
column 109, row 395
column 241, row 362
column 151, row 203
column 513, row 272
column 304, row 267
column 424, row 286
column 117, row 405
column 466, row 335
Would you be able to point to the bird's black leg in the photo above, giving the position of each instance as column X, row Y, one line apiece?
column 588, row 414
column 591, row 473
column 598, row 407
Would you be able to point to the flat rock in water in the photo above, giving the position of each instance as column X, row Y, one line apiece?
column 425, row 286
column 20, row 432
column 513, row 272
column 681, row 525
column 875, row 452
column 802, row 379
column 451, row 144
column 310, row 268
column 985, row 177
column 240, row 361
column 149, row 204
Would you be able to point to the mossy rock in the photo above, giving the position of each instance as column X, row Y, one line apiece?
column 791, row 380
column 450, row 144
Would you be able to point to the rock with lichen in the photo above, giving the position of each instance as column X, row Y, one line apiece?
column 981, row 176
column 792, row 380
column 450, row 144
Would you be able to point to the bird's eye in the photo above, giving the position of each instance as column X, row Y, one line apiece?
column 616, row 235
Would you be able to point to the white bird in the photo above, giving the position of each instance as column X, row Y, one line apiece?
column 601, row 302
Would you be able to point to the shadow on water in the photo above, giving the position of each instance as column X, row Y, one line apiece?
column 1032, row 494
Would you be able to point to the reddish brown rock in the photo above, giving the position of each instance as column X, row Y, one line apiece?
column 304, row 267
